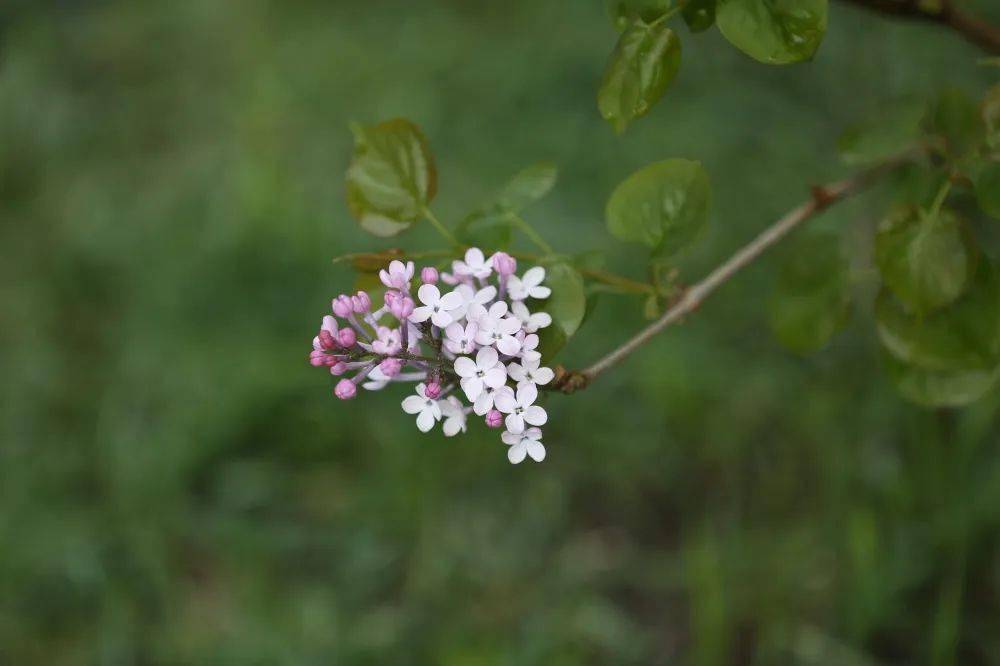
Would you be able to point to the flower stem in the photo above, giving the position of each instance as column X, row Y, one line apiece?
column 530, row 232
column 440, row 228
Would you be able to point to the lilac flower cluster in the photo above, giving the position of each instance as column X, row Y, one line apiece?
column 477, row 341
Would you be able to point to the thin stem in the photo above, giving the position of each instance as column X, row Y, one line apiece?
column 441, row 229
column 822, row 197
column 530, row 232
column 939, row 199
column 623, row 283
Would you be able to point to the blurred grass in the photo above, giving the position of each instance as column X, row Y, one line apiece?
column 178, row 486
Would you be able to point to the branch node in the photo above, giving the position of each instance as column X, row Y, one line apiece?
column 569, row 381
column 822, row 197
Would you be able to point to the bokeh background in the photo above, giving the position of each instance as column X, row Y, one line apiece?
column 179, row 486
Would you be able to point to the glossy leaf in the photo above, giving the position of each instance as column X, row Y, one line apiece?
column 663, row 205
column 391, row 177
column 927, row 261
column 644, row 62
column 988, row 189
column 624, row 12
column 955, row 117
column 894, row 131
column 776, row 32
column 939, row 388
column 490, row 225
column 699, row 15
column 811, row 300
column 567, row 305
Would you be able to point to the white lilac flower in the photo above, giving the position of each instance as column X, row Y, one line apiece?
column 486, row 400
column 427, row 410
column 527, row 443
column 521, row 409
column 495, row 328
column 475, row 265
column 435, row 307
column 485, row 371
column 530, row 322
column 530, row 285
column 530, row 373
column 387, row 342
column 376, row 380
column 459, row 339
column 529, row 347
column 472, row 297
column 398, row 276
column 454, row 416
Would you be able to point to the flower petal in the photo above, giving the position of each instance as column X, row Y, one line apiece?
column 535, row 415
column 533, row 277
column 413, row 404
column 465, row 366
column 495, row 377
column 473, row 386
column 535, row 449
column 428, row 294
column 514, row 423
column 504, row 401
column 509, row 345
column 425, row 420
column 516, row 372
column 543, row 375
column 539, row 292
column 483, row 403
column 526, row 395
column 422, row 313
column 487, row 358
column 452, row 425
column 441, row 319
column 474, row 256
column 516, row 453
column 510, row 439
column 451, row 301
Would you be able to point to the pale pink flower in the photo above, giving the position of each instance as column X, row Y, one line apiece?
column 527, row 443
column 485, row 371
column 459, row 340
column 530, row 322
column 398, row 276
column 454, row 416
column 427, row 409
column 530, row 285
column 387, row 341
column 530, row 373
column 521, row 409
column 495, row 328
column 436, row 307
column 475, row 264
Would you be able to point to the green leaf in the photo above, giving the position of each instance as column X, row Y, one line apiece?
column 624, row 12
column 896, row 130
column 699, row 15
column 776, row 32
column 955, row 117
column 963, row 336
column 988, row 189
column 567, row 305
column 811, row 300
column 643, row 64
column 391, row 178
column 927, row 260
column 939, row 388
column 491, row 230
column 663, row 205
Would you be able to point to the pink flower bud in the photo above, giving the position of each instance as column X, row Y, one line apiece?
column 432, row 390
column 342, row 305
column 337, row 368
column 390, row 367
column 429, row 275
column 390, row 297
column 494, row 419
column 345, row 389
column 361, row 302
column 327, row 340
column 504, row 264
column 317, row 359
column 347, row 337
column 402, row 307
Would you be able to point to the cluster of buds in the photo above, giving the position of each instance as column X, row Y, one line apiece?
column 467, row 340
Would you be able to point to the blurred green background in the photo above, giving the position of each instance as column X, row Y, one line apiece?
column 179, row 486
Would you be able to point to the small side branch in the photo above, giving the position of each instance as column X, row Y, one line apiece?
column 975, row 30
column 569, row 381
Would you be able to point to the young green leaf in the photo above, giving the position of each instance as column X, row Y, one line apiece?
column 939, row 388
column 624, row 12
column 926, row 259
column 776, row 32
column 699, row 15
column 567, row 305
column 644, row 62
column 990, row 113
column 391, row 178
column 988, row 189
column 896, row 130
column 811, row 300
column 490, row 225
column 663, row 205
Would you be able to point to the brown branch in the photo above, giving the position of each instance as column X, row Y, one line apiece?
column 977, row 31
column 569, row 381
